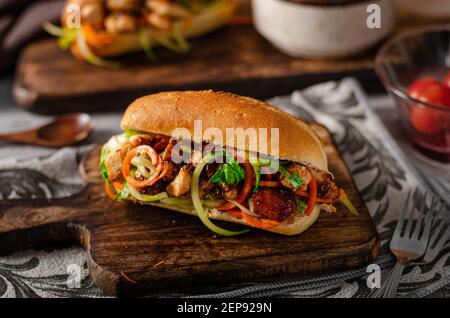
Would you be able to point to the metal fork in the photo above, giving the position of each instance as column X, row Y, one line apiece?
column 435, row 245
column 409, row 241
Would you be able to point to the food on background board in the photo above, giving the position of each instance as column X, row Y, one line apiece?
column 111, row 28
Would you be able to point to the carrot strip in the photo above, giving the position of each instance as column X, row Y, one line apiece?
column 76, row 52
column 270, row 184
column 109, row 191
column 260, row 223
column 236, row 213
column 96, row 39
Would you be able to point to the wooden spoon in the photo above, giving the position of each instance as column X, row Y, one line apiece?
column 62, row 131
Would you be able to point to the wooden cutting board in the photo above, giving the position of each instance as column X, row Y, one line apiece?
column 134, row 250
column 234, row 59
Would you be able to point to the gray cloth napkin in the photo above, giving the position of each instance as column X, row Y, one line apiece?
column 381, row 174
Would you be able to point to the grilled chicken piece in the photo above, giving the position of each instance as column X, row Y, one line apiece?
column 326, row 187
column 92, row 12
column 172, row 170
column 299, row 170
column 228, row 192
column 158, row 21
column 275, row 204
column 127, row 5
column 181, row 184
column 113, row 161
column 118, row 22
column 164, row 8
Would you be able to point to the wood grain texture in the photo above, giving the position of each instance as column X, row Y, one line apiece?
column 165, row 251
column 234, row 59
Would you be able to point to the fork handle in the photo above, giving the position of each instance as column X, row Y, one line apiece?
column 394, row 280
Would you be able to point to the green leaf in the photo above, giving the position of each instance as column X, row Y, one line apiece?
column 301, row 206
column 104, row 153
column 230, row 173
column 130, row 133
column 257, row 169
column 295, row 180
column 124, row 193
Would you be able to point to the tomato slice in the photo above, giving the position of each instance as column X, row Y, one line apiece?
column 312, row 196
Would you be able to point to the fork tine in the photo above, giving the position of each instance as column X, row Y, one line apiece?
column 410, row 220
column 439, row 222
column 436, row 233
column 424, row 212
column 418, row 226
column 427, row 227
column 401, row 220
column 433, row 251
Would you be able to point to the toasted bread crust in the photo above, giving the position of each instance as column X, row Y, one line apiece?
column 162, row 113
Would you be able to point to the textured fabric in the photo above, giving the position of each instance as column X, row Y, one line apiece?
column 380, row 173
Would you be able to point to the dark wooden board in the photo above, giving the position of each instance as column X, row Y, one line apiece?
column 131, row 239
column 234, row 59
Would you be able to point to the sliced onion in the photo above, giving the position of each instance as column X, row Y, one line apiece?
column 146, row 45
column 145, row 197
column 143, row 166
column 212, row 203
column 184, row 202
column 202, row 214
column 166, row 42
column 245, row 210
column 54, row 30
column 179, row 37
column 91, row 57
column 346, row 201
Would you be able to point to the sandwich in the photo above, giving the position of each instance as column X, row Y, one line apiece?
column 164, row 159
column 97, row 29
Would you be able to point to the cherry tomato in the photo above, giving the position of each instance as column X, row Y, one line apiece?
column 430, row 91
column 419, row 85
column 425, row 120
column 446, row 80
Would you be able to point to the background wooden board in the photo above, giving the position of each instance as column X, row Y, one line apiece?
column 133, row 239
column 235, row 59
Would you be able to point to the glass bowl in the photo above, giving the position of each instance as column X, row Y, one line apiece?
column 403, row 60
